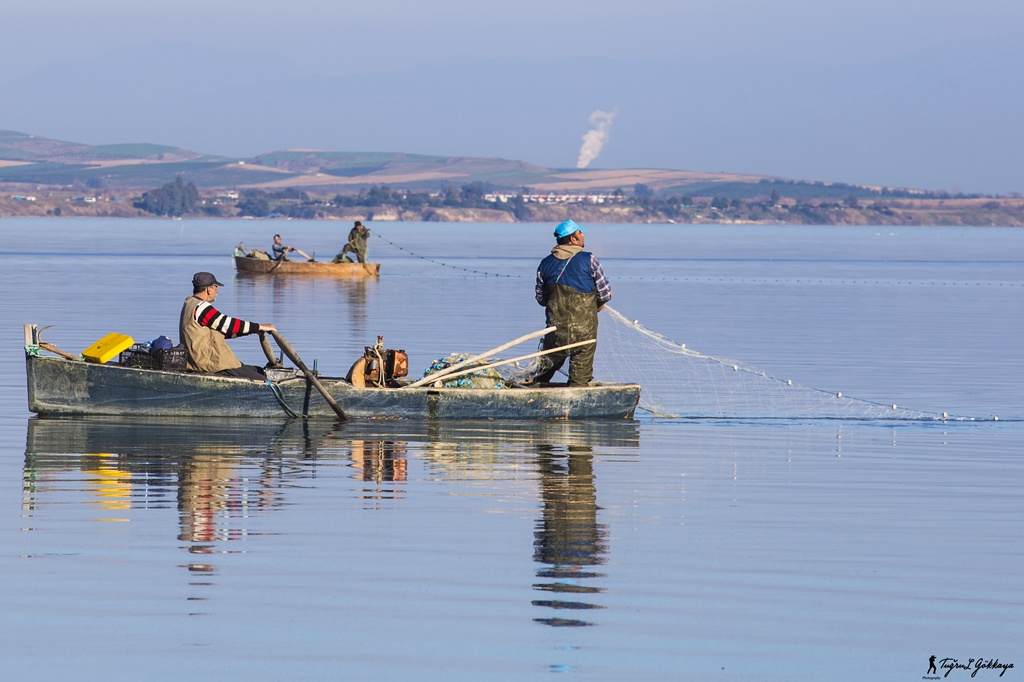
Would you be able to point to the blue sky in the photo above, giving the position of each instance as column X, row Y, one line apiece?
column 906, row 92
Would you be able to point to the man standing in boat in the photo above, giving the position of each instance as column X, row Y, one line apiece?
column 572, row 287
column 357, row 237
column 203, row 329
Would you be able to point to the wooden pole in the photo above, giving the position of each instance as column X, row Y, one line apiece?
column 521, row 357
column 58, row 351
column 294, row 357
column 36, row 335
column 448, row 370
column 268, row 351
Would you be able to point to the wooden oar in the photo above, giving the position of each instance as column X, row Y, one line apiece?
column 294, row 357
column 34, row 336
column 521, row 357
column 302, row 253
column 268, row 351
column 54, row 349
column 431, row 378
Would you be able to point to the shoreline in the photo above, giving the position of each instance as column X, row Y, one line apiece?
column 1004, row 212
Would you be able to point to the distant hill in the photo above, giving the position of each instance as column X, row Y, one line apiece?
column 44, row 177
column 33, row 160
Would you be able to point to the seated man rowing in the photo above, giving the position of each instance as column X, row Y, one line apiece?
column 280, row 250
column 204, row 329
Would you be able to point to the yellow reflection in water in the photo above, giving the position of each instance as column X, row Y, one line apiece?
column 110, row 486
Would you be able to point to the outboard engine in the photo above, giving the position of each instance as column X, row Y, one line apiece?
column 379, row 367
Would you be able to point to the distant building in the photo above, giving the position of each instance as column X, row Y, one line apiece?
column 553, row 198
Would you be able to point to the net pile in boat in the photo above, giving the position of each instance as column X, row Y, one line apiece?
column 480, row 378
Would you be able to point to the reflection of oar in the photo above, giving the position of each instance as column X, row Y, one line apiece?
column 509, row 362
column 294, row 357
column 431, row 378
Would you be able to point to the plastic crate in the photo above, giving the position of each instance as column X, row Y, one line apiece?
column 137, row 356
column 169, row 359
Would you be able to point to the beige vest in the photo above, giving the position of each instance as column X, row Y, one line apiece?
column 205, row 349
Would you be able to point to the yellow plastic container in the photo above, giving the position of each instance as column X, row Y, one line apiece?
column 107, row 348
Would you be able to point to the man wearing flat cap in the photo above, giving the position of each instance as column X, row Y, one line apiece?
column 204, row 330
column 572, row 287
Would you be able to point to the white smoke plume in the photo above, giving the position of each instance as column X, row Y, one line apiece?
column 594, row 140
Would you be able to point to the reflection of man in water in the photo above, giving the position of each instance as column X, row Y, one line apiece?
column 931, row 666
column 568, row 537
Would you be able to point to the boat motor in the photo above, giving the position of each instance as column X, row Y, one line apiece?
column 379, row 367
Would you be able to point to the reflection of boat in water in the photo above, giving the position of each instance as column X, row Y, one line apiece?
column 219, row 473
column 157, row 437
column 63, row 386
column 173, row 438
column 257, row 266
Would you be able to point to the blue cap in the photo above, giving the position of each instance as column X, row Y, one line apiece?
column 567, row 228
column 161, row 343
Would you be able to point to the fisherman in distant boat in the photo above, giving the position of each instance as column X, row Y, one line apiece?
column 280, row 250
column 572, row 287
column 357, row 237
column 204, row 330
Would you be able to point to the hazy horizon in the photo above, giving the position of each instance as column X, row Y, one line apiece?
column 914, row 95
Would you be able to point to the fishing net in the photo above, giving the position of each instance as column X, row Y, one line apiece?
column 480, row 377
column 680, row 382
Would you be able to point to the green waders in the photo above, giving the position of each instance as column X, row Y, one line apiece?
column 575, row 315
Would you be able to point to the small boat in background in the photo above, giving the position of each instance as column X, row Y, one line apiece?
column 256, row 262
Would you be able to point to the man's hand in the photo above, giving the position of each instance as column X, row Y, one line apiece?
column 267, row 328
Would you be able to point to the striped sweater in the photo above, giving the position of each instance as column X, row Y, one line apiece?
column 203, row 329
column 231, row 327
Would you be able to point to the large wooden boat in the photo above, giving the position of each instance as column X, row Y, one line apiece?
column 59, row 385
column 261, row 266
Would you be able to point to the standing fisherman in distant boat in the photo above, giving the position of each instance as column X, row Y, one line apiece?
column 572, row 287
column 357, row 237
column 280, row 250
column 204, row 329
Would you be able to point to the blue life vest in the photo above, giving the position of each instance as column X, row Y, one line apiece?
column 574, row 274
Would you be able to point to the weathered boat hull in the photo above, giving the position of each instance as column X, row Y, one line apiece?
column 258, row 266
column 58, row 386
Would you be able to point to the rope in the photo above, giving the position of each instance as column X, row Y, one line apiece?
column 380, row 368
column 442, row 263
column 280, row 398
column 734, row 280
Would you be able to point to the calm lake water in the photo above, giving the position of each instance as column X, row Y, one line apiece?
column 729, row 548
